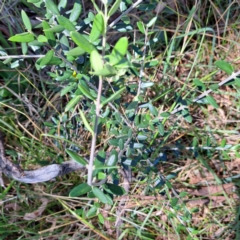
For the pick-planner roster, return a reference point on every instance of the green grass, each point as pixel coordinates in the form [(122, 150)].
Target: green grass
[(164, 202)]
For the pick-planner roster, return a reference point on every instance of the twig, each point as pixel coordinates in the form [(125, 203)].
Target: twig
[(21, 56), (124, 13)]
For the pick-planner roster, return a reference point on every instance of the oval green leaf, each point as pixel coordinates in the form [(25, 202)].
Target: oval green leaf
[(225, 66), (85, 92), (113, 96), (151, 22), (50, 5), (62, 4), (141, 27), (55, 29), (72, 103), (42, 39), (119, 50), (97, 28), (85, 122), (96, 61), (47, 58), (49, 35), (82, 42), (64, 22), (78, 51), (114, 189), (76, 11), (161, 129), (104, 198), (165, 114), (80, 190), (76, 157), (26, 20), (212, 101), (107, 71), (114, 8), (22, 37), (112, 159)]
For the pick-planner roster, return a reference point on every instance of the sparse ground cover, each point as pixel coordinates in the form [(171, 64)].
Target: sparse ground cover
[(167, 137)]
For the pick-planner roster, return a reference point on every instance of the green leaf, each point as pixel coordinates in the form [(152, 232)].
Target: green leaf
[(67, 89), (141, 28), (80, 190), (62, 4), (112, 159), (119, 50), (85, 92), (174, 201), (22, 37), (101, 219), (82, 42), (33, 1), (73, 102), (78, 51), (114, 189), (146, 84), (47, 58), (186, 115), (92, 212), (107, 71), (137, 145), (55, 61), (165, 114), (50, 5), (64, 22), (55, 29), (114, 8), (76, 11), (96, 61), (26, 21), (104, 198), (76, 157), (153, 110), (212, 101), (49, 35), (42, 39), (24, 48), (200, 84), (113, 96), (141, 137), (151, 22), (85, 122), (237, 81), (225, 66), (214, 86), (97, 28), (121, 144), (161, 129)]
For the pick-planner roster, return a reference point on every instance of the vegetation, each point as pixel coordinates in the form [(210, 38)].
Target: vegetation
[(145, 95)]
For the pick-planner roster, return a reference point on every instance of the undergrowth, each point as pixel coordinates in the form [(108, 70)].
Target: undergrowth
[(144, 95)]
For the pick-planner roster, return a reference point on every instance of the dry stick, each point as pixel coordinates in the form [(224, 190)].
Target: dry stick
[(21, 56), (126, 12), (94, 137), (204, 94)]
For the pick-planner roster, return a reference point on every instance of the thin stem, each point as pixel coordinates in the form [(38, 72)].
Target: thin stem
[(126, 12), (94, 137), (98, 106), (21, 56)]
